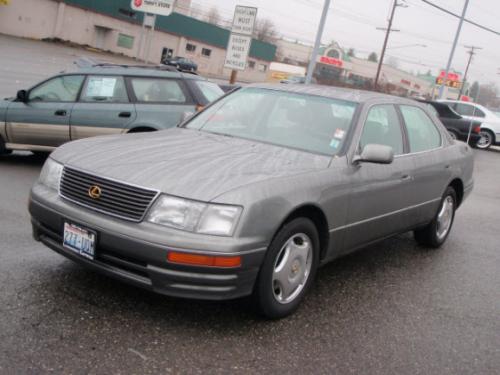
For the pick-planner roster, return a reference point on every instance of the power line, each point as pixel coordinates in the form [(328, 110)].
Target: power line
[(458, 16)]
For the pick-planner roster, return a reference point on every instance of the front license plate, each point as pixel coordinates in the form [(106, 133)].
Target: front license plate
[(79, 240)]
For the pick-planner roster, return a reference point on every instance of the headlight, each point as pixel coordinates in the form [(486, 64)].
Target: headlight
[(192, 216), (50, 175)]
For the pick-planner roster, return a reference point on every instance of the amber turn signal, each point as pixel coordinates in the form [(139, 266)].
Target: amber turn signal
[(204, 260)]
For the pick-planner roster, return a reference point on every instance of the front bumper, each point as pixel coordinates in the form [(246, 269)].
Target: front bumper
[(138, 261)]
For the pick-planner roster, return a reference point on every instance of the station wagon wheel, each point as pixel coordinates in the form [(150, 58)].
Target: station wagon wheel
[(288, 269), (486, 139), (435, 233)]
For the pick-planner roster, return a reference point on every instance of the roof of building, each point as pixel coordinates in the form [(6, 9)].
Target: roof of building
[(176, 24)]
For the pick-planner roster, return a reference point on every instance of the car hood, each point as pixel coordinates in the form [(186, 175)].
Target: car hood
[(187, 163)]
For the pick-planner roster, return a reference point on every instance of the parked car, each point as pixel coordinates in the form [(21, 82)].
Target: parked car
[(294, 80), (457, 126), (98, 101), (490, 123), (181, 63), (252, 194)]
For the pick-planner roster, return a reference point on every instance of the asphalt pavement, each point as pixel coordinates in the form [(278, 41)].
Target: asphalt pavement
[(392, 308)]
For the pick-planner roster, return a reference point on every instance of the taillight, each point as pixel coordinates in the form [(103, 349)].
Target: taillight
[(477, 130)]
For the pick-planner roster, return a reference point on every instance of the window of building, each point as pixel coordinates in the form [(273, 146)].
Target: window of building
[(206, 52), (105, 89), (251, 64), (190, 47), (125, 41), (59, 89), (158, 90), (382, 127), (262, 68), (422, 133), (126, 12)]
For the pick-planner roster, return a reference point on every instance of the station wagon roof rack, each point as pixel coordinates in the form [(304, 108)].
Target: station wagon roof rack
[(86, 63)]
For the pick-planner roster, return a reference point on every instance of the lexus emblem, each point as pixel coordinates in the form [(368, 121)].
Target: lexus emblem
[(95, 192)]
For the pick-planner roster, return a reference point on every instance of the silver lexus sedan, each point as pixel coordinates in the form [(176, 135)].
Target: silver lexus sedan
[(253, 194)]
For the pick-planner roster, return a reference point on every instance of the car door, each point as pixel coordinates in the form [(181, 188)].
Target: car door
[(432, 171), (43, 120), (382, 195), (160, 102), (103, 108)]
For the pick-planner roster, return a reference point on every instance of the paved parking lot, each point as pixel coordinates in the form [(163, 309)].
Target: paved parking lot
[(393, 308)]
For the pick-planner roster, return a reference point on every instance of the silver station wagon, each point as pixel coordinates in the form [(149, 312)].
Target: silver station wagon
[(100, 100), (254, 193)]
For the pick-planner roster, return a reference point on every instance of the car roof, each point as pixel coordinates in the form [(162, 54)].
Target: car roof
[(359, 96), (157, 72)]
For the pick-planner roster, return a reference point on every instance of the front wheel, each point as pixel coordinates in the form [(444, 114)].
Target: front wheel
[(486, 139), (437, 231), (288, 270)]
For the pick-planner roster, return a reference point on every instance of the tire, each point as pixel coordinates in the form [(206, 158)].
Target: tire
[(436, 232), (295, 252), (487, 139)]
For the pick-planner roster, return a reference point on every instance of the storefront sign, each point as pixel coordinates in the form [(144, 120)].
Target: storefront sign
[(244, 20), (331, 61), (159, 7)]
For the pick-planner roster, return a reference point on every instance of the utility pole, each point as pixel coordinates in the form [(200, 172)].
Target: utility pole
[(395, 4), (452, 53), (319, 34), (464, 81)]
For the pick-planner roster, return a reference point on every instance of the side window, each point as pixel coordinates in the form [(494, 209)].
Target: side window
[(157, 90), (382, 127), (422, 133), (59, 89), (105, 89)]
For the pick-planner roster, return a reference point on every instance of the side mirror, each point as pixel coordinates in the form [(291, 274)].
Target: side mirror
[(373, 153), (22, 96)]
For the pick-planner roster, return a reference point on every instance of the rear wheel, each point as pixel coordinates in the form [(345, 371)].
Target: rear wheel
[(437, 231), (486, 140), (288, 270)]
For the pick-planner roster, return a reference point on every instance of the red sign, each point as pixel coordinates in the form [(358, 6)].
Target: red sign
[(138, 3), (451, 76), (331, 61)]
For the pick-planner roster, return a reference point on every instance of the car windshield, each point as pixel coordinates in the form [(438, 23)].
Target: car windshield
[(306, 122)]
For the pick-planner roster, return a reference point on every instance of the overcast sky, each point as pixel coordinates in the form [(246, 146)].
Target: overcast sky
[(353, 24)]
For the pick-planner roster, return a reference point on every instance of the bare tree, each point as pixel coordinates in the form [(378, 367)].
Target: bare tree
[(213, 16), (265, 30), (373, 57)]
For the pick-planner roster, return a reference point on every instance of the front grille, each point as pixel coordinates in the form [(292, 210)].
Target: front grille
[(117, 199)]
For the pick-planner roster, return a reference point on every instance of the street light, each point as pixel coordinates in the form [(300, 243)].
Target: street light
[(408, 45)]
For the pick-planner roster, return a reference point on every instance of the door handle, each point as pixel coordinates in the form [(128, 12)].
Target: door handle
[(60, 112), (124, 114), (406, 177)]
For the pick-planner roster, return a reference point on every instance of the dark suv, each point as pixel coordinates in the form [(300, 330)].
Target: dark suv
[(99, 100)]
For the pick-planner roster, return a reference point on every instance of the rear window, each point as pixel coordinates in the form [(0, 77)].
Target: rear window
[(149, 90), (422, 133), (210, 90)]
